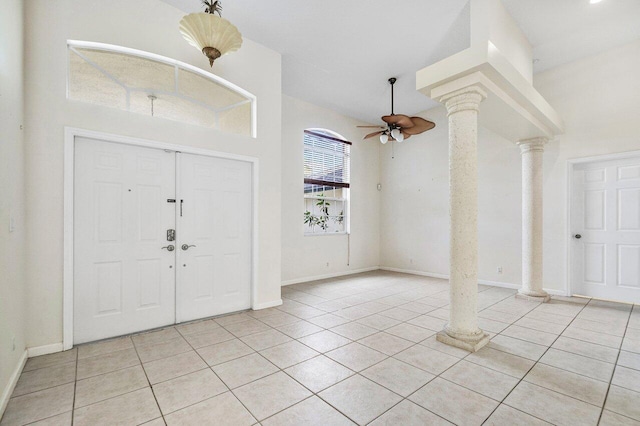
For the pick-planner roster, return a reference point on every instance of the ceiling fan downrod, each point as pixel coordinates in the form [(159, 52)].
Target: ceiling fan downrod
[(392, 81)]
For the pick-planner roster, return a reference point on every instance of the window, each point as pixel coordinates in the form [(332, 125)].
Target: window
[(145, 83), (326, 183)]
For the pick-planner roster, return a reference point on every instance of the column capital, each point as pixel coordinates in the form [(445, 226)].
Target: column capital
[(465, 99), (533, 144)]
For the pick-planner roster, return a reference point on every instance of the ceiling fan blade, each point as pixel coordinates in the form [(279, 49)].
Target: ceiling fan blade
[(420, 125), (399, 120), (406, 135), (370, 135), (371, 127)]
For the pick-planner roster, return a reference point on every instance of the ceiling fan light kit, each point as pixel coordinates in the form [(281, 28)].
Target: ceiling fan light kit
[(213, 35), (399, 126)]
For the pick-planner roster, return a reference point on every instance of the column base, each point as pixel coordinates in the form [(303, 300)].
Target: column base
[(471, 344), (541, 297)]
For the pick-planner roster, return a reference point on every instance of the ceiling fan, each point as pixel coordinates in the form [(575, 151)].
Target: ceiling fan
[(399, 127)]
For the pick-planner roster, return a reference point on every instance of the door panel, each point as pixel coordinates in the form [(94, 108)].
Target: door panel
[(123, 281), (605, 210), (215, 274)]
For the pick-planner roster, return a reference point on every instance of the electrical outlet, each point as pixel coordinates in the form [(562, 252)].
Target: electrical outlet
[(499, 270), (411, 261), (12, 223), (13, 343), (327, 264)]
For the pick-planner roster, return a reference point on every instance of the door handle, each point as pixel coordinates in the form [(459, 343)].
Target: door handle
[(186, 246), (170, 247), (577, 236)]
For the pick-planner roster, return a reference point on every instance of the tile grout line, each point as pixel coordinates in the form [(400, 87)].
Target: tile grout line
[(441, 373), (418, 343), (47, 387), (351, 321), (470, 353), (279, 369), (536, 363), (372, 313), (358, 373), (435, 375), (219, 378), (135, 348), (606, 395), (75, 386), (63, 384)]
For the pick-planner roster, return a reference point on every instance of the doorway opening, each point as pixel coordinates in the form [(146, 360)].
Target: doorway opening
[(604, 226), (155, 234)]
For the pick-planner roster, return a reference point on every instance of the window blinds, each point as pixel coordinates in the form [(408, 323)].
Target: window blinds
[(326, 161)]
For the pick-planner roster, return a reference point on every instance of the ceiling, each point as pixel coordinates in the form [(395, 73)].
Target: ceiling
[(339, 54)]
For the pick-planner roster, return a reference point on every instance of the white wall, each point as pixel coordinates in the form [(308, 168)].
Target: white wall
[(306, 257), (598, 100), (151, 26), (415, 204), (12, 244)]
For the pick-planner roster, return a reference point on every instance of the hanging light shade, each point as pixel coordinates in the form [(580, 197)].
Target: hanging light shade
[(213, 35)]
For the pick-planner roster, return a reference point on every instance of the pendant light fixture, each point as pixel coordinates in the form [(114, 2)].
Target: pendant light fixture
[(211, 34)]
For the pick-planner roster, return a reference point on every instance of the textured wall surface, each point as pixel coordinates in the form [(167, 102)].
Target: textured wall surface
[(47, 111), (12, 244), (597, 99), (304, 257)]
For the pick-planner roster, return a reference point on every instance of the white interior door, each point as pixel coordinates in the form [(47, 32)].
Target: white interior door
[(123, 280), (605, 223), (214, 235)]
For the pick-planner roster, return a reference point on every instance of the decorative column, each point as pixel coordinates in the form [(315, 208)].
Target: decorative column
[(531, 150), (462, 331)]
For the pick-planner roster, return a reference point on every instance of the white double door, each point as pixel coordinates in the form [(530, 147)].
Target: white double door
[(160, 237), (605, 226)]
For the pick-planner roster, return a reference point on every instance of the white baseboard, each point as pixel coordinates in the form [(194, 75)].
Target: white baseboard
[(325, 276), (551, 291), (499, 284), (266, 305), (13, 380), (555, 292), (412, 272), (45, 350)]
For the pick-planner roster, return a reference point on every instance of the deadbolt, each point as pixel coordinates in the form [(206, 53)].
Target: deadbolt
[(186, 246), (170, 247), (577, 236), (171, 234)]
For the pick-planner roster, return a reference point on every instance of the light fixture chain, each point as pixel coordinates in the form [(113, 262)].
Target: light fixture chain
[(152, 98)]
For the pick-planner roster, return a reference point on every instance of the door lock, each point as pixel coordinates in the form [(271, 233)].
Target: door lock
[(171, 234), (577, 236), (186, 246), (170, 247)]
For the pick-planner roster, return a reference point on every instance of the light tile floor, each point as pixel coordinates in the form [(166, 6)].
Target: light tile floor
[(359, 349)]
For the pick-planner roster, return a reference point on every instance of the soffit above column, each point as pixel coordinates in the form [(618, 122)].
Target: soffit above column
[(514, 108)]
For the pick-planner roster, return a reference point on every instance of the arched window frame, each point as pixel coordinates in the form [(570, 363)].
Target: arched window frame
[(320, 198), (72, 44)]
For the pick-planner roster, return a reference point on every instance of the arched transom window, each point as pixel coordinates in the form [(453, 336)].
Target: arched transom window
[(150, 84)]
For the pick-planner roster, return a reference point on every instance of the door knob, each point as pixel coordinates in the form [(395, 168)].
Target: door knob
[(170, 247), (577, 236), (186, 246)]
